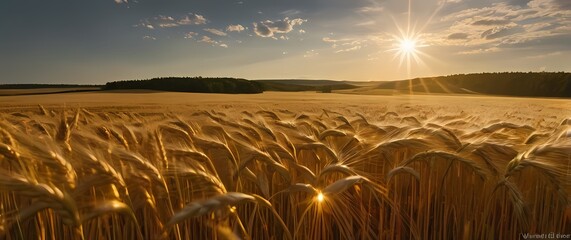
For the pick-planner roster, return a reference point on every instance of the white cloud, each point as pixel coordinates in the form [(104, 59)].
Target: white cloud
[(192, 19), (347, 44), (497, 26), (552, 7), (501, 31), (457, 36), (367, 23), (480, 51), (207, 39), (354, 48), (448, 1), (146, 25), (235, 28), (310, 53), (270, 28), (291, 12), (491, 21), (121, 1), (329, 40), (162, 21), (370, 9), (541, 56), (190, 35), (149, 38), (215, 32)]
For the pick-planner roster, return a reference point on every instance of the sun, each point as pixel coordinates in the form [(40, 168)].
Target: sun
[(407, 46), (408, 42)]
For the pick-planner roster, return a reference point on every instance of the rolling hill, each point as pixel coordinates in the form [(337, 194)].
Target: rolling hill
[(186, 84), (540, 84), (531, 84), (298, 85)]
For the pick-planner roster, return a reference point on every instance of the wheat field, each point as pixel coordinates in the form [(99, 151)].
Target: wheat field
[(283, 166)]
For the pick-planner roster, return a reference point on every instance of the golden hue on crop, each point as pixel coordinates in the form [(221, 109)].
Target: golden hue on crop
[(131, 173)]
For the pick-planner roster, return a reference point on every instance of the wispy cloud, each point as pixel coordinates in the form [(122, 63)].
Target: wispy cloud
[(270, 28), (491, 21), (190, 35), (235, 28), (366, 23), (163, 21), (192, 19), (310, 53), (499, 32), (354, 48), (541, 56), (480, 51), (370, 9), (291, 12), (207, 39), (216, 32), (497, 26), (329, 40), (440, 2), (457, 36), (345, 44), (121, 1), (149, 38)]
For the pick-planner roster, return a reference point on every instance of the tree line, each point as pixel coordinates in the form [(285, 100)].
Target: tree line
[(533, 84), (189, 84)]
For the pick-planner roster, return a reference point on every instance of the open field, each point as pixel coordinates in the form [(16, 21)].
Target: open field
[(40, 91), (148, 165)]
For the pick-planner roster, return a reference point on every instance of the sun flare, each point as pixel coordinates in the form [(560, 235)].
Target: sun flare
[(407, 49), (407, 43), (320, 197), (407, 46)]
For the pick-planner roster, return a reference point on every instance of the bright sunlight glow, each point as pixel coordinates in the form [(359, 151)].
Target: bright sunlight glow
[(320, 197), (408, 43), (407, 49), (408, 46)]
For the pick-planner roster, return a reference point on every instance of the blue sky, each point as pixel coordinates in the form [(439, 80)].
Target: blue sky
[(66, 41)]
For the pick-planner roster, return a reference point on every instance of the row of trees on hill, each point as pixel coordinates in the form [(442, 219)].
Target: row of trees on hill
[(188, 84), (530, 84), (548, 84)]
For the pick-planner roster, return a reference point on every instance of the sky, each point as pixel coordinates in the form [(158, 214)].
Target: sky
[(96, 41)]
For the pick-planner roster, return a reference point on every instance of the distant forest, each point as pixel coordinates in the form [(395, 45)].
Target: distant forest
[(551, 84), (188, 84), (523, 84), (531, 84)]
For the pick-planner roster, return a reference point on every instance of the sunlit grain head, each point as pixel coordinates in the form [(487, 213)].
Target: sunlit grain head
[(319, 198)]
